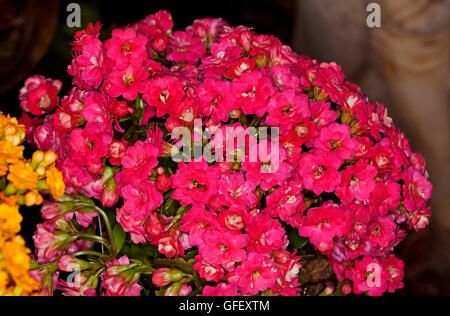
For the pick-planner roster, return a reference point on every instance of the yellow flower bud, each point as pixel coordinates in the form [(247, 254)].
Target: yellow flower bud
[(40, 171), (50, 158), (38, 157), (33, 198)]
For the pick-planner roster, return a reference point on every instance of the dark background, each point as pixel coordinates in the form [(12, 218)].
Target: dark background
[(34, 39)]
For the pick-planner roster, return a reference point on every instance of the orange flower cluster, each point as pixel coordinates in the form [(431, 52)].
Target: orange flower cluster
[(21, 183)]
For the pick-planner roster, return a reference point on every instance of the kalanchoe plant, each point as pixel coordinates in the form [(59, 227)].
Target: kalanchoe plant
[(318, 211)]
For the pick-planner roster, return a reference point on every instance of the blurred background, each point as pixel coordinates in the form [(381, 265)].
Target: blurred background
[(404, 64)]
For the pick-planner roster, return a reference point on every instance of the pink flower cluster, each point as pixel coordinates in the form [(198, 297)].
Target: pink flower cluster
[(347, 178)]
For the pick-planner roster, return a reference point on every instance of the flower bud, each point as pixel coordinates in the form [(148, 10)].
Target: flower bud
[(235, 114), (50, 158), (159, 43), (165, 276), (33, 198), (153, 226), (347, 289), (173, 290), (70, 264), (116, 150), (110, 195), (281, 257), (225, 167), (185, 290), (163, 183), (160, 171), (38, 157), (329, 290), (120, 109)]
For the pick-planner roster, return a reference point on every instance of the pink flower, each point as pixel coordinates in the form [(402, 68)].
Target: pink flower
[(197, 221), (183, 47), (420, 219), (358, 182), (235, 218), (154, 226), (216, 99), (68, 115), (286, 107), (253, 92), (138, 162), (127, 83), (336, 138), (39, 95), (126, 48), (136, 229), (224, 247), (163, 93), (319, 171), (321, 113), (87, 67), (266, 235), (83, 37), (97, 110), (369, 276), (222, 289), (207, 270), (241, 66), (256, 274), (235, 191), (75, 177), (416, 190), (283, 78), (116, 151), (382, 231), (194, 183), (384, 198), (163, 183), (322, 225), (266, 165), (141, 199), (88, 146), (395, 268), (120, 280), (289, 266), (185, 112), (286, 202), (170, 245), (161, 22), (207, 29)]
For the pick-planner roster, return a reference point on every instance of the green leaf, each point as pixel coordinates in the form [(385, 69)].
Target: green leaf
[(140, 252), (191, 255), (118, 237), (296, 240)]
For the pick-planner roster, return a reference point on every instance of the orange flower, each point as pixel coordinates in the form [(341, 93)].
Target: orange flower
[(22, 176), (17, 262), (10, 219), (9, 200), (55, 182), (9, 153), (4, 280), (10, 130)]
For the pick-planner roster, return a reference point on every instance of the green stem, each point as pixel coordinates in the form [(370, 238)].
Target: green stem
[(96, 239), (108, 227), (90, 253)]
